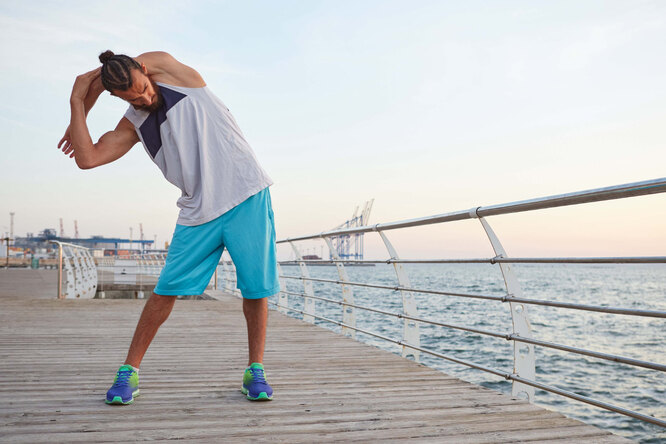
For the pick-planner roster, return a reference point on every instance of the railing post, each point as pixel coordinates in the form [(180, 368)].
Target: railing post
[(283, 297), (223, 274), (78, 271), (59, 270), (70, 288), (410, 330), (89, 273), (81, 271), (308, 303), (228, 272), (523, 354), (140, 268), (348, 313)]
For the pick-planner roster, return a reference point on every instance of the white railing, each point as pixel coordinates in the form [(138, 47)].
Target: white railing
[(77, 271), (523, 376), (133, 265), (136, 271)]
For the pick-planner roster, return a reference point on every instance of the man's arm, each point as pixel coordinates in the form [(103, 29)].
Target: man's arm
[(95, 90), (163, 67), (111, 146)]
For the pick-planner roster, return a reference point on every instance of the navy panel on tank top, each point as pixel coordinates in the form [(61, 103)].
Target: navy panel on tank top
[(150, 129)]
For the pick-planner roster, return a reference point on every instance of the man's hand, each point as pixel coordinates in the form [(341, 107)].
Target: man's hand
[(66, 143), (82, 84)]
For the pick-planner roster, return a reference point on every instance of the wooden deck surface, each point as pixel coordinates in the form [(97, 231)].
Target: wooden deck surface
[(58, 358), (26, 283)]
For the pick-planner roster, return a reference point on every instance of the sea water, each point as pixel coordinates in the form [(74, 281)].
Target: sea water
[(636, 286)]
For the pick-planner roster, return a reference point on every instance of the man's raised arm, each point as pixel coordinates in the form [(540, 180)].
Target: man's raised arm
[(164, 67), (111, 146), (95, 90)]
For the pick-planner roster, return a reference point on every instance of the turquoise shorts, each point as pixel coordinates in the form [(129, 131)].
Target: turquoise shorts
[(248, 233)]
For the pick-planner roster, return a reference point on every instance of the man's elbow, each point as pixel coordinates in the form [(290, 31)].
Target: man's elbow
[(83, 164)]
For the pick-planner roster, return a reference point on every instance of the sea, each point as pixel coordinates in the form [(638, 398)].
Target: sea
[(636, 286)]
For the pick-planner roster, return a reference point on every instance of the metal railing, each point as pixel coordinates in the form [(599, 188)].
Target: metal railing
[(523, 376), (133, 273), (80, 272), (76, 261), (148, 264)]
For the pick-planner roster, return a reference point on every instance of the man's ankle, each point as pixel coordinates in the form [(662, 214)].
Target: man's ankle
[(136, 369)]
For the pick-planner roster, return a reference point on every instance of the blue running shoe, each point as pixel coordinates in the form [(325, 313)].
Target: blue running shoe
[(125, 387), (254, 383)]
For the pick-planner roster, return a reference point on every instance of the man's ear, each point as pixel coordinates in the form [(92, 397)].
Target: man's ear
[(144, 69)]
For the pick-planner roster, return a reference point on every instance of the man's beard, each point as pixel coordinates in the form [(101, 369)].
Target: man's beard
[(158, 102)]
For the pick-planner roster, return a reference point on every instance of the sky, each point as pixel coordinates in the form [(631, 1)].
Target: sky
[(426, 107)]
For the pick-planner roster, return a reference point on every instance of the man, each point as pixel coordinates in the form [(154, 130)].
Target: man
[(193, 138)]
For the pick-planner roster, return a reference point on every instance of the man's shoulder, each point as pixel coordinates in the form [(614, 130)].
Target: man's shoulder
[(163, 67), (156, 61)]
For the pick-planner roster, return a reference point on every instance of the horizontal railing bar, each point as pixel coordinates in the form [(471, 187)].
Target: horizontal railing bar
[(594, 308), (508, 337), (385, 261), (642, 188), (402, 316), (549, 388), (592, 401), (397, 288), (507, 298), (508, 376), (594, 195), (429, 220), (584, 260), (377, 335), (582, 351), (516, 260)]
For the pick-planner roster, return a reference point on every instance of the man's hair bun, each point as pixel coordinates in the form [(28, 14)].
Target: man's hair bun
[(116, 70), (105, 56)]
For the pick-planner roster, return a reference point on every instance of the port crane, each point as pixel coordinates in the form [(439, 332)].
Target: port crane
[(351, 246)]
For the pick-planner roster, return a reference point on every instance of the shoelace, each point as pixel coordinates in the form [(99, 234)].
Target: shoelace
[(122, 378), (258, 375)]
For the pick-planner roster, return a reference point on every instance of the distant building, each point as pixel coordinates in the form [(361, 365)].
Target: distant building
[(112, 245)]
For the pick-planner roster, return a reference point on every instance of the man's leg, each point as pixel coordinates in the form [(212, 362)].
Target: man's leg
[(126, 385), (155, 312), (256, 317), (249, 235), (255, 386), (193, 255)]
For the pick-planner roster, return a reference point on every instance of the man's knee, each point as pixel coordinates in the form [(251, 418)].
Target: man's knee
[(255, 304), (160, 301)]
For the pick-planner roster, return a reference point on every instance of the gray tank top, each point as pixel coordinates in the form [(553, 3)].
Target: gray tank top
[(195, 141)]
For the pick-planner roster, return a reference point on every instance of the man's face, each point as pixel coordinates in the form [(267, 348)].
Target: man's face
[(143, 94)]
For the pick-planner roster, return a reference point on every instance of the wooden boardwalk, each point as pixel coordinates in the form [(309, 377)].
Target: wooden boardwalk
[(58, 358)]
